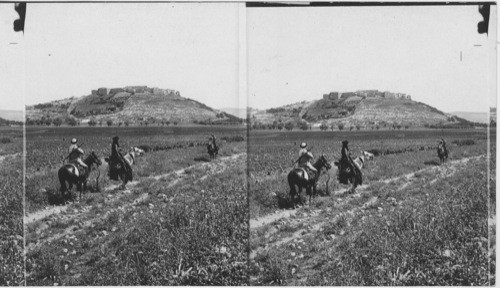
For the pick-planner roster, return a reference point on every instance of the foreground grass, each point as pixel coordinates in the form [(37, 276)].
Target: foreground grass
[(11, 211), (193, 233)]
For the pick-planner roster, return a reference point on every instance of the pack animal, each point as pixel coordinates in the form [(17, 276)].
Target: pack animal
[(298, 178), (70, 174)]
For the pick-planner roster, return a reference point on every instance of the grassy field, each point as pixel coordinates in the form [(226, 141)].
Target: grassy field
[(413, 222), (182, 221), (11, 207)]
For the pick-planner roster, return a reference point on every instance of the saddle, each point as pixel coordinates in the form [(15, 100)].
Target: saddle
[(75, 169), (305, 173)]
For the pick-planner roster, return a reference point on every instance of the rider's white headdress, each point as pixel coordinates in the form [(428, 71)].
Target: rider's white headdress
[(73, 141), (303, 145)]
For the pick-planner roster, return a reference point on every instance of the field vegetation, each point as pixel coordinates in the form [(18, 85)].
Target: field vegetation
[(11, 207), (413, 222), (182, 221)]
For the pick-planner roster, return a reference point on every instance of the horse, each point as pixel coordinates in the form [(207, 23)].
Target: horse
[(367, 155), (70, 174), (354, 178), (442, 153), (213, 150), (124, 174), (138, 151), (300, 178)]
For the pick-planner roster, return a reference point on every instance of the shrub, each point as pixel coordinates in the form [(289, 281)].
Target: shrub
[(5, 140)]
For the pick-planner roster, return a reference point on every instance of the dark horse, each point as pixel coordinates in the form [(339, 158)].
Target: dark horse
[(297, 177), (213, 150), (67, 174), (347, 173), (442, 153), (117, 171)]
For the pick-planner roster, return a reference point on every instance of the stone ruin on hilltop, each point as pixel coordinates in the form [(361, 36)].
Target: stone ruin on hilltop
[(133, 90), (366, 94)]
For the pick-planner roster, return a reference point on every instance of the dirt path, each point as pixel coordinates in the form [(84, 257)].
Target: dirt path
[(312, 219), (83, 213)]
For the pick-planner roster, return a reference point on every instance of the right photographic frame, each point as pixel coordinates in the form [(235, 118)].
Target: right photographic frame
[(371, 147)]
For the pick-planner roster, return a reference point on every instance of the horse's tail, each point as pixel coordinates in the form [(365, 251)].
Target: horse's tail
[(63, 175), (292, 181)]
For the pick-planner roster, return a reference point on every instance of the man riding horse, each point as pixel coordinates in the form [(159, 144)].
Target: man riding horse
[(116, 159), (304, 161), (212, 148), (348, 168), (75, 158), (442, 151)]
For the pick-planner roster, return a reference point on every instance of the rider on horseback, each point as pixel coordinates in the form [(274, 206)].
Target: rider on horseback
[(72, 148), (73, 145), (304, 161), (347, 162), (75, 158), (117, 157), (211, 140)]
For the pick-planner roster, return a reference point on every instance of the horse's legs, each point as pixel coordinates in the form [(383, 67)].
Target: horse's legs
[(292, 194)]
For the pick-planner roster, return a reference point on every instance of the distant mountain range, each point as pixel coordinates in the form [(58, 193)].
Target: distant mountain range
[(363, 108), (12, 115), (479, 117), (127, 105), (239, 112)]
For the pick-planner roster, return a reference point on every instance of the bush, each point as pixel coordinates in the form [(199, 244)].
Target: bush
[(341, 126), (5, 140), (466, 142), (289, 126)]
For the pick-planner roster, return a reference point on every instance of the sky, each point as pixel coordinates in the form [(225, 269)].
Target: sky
[(71, 49), (220, 53), (301, 53), (12, 66)]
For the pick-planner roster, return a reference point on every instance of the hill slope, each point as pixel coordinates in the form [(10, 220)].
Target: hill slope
[(132, 104), (357, 110)]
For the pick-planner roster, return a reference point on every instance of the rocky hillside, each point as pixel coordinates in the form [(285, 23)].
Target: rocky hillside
[(128, 105), (358, 109)]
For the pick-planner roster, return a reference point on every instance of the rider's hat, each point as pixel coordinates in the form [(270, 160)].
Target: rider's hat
[(73, 141), (303, 145), (79, 150)]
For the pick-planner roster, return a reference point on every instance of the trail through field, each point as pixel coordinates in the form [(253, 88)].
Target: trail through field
[(83, 216), (6, 156), (273, 230)]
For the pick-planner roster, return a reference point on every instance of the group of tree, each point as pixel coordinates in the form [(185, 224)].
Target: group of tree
[(48, 121)]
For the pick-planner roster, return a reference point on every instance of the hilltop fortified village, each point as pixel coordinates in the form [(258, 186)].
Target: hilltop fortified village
[(366, 93), (133, 90)]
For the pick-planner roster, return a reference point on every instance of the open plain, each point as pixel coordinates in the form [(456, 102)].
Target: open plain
[(183, 220), (412, 222)]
